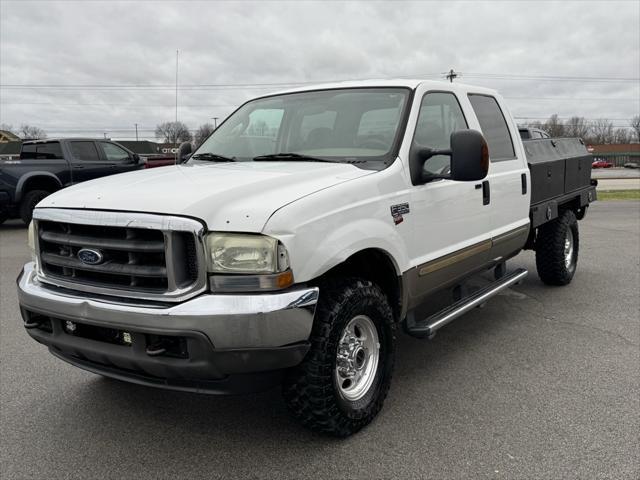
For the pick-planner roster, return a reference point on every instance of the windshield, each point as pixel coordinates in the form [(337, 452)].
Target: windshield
[(337, 125)]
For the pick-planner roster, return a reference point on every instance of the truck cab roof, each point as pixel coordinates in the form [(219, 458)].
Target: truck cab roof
[(400, 82)]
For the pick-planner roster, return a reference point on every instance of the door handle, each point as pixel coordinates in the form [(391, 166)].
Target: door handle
[(486, 193)]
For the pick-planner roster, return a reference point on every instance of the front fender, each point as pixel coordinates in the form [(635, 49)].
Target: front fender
[(315, 254)]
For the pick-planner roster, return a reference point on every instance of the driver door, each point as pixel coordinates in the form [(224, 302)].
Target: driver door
[(452, 225)]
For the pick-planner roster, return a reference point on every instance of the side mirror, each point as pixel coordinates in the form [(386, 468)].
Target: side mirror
[(184, 152), (469, 154), (135, 158)]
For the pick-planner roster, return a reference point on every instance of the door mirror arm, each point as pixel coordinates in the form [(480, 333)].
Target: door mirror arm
[(424, 154), (184, 152)]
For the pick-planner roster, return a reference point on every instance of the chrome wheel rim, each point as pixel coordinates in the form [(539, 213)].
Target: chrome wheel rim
[(568, 249), (357, 358)]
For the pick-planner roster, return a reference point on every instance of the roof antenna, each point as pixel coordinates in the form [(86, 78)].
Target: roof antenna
[(451, 74)]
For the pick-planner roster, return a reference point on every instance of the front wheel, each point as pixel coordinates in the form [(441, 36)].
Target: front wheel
[(341, 384), (557, 247)]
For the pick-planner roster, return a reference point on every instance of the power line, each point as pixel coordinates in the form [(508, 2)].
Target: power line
[(157, 105), (213, 86)]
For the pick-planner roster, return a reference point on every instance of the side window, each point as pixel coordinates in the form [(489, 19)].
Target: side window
[(48, 150), (85, 151), (316, 128), (525, 134), (264, 123), (494, 127), (113, 152), (440, 115), (382, 122)]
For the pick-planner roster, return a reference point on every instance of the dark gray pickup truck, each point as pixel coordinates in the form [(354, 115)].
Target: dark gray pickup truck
[(46, 166)]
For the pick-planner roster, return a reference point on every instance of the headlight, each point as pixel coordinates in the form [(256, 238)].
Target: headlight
[(244, 262), (241, 253), (31, 241)]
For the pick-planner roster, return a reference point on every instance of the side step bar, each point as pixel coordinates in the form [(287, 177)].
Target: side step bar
[(430, 325)]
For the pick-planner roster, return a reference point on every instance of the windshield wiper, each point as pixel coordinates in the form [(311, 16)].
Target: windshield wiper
[(291, 156), (213, 157)]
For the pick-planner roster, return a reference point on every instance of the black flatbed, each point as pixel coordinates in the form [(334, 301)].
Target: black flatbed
[(560, 177)]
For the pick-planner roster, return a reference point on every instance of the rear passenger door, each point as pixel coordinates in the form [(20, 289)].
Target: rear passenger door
[(86, 161), (507, 181)]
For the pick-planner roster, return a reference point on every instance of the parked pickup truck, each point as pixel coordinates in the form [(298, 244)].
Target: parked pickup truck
[(293, 245), (46, 166)]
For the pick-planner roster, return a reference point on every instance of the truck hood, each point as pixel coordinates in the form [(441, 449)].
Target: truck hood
[(227, 196)]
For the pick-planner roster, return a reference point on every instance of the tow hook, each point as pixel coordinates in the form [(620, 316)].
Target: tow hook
[(156, 350)]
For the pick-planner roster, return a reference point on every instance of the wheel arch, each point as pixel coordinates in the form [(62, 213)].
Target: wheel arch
[(37, 181), (378, 266)]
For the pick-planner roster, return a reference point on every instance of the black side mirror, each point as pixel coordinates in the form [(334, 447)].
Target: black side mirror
[(135, 158), (469, 154), (184, 152)]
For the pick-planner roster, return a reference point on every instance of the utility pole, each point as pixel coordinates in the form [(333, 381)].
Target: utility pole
[(176, 86), (176, 124), (105, 135), (215, 122), (451, 75), (136, 131)]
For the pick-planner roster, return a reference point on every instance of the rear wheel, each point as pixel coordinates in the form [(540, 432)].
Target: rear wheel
[(557, 247), (29, 202), (341, 384)]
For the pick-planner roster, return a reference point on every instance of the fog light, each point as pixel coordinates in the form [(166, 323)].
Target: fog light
[(126, 338), (69, 326)]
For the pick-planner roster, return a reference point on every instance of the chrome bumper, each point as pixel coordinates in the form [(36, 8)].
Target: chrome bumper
[(228, 321)]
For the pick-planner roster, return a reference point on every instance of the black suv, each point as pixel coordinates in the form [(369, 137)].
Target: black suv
[(48, 165)]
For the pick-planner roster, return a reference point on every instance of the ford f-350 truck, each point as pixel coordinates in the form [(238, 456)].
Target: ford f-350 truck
[(296, 242)]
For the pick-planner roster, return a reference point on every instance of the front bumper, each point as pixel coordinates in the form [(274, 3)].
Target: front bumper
[(224, 336)]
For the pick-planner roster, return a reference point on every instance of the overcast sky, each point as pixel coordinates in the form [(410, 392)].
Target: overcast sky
[(117, 58)]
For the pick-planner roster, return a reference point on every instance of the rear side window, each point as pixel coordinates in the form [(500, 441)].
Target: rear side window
[(49, 150), (494, 127), (85, 151)]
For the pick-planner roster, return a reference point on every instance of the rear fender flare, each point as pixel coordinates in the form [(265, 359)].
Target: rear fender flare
[(31, 175)]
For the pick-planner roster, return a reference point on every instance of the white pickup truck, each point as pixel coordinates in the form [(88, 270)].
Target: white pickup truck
[(291, 245)]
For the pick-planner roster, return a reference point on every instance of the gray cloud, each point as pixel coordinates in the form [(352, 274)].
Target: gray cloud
[(133, 43)]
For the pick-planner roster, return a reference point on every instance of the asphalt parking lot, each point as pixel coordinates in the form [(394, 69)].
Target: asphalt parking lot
[(541, 383)]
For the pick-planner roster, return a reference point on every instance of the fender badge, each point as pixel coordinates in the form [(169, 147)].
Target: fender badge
[(397, 211)]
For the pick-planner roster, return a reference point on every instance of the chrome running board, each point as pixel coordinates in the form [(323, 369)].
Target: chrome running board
[(430, 325)]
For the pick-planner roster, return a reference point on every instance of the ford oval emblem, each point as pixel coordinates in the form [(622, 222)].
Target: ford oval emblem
[(89, 256)]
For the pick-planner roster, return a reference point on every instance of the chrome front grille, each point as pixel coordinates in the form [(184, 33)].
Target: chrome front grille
[(137, 255)]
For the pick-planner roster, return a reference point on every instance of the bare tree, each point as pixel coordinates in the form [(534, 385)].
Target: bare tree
[(202, 133), (635, 125), (622, 135), (577, 127), (7, 128), (554, 126), (602, 131), (173, 132), (30, 132)]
